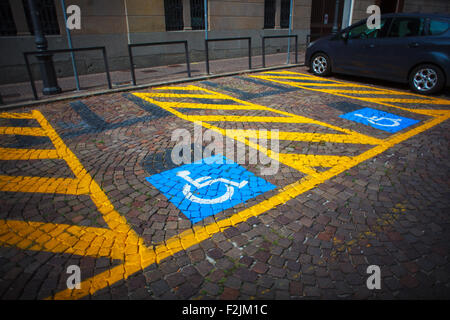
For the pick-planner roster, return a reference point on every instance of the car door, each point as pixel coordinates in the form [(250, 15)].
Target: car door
[(400, 48), (352, 54)]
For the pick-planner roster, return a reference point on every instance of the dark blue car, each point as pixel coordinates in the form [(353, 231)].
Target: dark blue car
[(407, 48)]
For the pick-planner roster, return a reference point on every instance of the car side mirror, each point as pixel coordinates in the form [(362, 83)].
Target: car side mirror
[(344, 36)]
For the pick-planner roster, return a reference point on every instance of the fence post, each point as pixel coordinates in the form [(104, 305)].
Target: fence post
[(207, 56), (30, 75), (263, 53), (250, 53), (133, 75), (108, 77), (186, 49)]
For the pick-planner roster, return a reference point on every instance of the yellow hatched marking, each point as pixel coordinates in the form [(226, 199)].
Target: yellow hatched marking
[(303, 164), (27, 154), (383, 101), (24, 131)]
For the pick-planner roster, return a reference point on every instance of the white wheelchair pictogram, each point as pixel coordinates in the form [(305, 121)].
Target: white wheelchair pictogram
[(376, 120), (207, 181)]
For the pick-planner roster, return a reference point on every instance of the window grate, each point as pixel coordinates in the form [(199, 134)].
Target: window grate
[(174, 14), (7, 25), (269, 14), (284, 14), (197, 14), (47, 15)]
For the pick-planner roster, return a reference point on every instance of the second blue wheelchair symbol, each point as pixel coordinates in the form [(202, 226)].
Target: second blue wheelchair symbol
[(209, 186)]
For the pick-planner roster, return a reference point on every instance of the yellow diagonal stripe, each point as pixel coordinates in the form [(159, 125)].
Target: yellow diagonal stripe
[(25, 131), (42, 185), (306, 136), (27, 154), (61, 238), (15, 115)]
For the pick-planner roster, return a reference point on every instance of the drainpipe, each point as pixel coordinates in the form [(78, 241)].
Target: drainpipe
[(69, 40), (206, 19), (290, 31), (335, 29)]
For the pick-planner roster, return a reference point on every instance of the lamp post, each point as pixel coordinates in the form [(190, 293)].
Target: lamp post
[(335, 22), (45, 61)]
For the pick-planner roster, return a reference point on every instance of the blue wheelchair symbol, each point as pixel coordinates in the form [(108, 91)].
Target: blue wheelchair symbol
[(209, 186), (380, 120)]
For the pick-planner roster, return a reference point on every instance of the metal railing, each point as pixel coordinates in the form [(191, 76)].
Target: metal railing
[(249, 39), (147, 44), (282, 36), (33, 53)]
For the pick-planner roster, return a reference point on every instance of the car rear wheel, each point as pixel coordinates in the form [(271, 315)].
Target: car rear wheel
[(426, 79), (320, 64)]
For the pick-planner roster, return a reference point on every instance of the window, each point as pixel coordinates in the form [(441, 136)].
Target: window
[(269, 14), (47, 15), (197, 14), (7, 25), (438, 27), (407, 27), (173, 10), (285, 12), (363, 32)]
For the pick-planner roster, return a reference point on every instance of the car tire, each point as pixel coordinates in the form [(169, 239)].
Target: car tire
[(320, 64), (426, 79)]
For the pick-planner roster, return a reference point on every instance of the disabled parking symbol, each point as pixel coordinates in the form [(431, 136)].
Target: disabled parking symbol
[(379, 119), (209, 186)]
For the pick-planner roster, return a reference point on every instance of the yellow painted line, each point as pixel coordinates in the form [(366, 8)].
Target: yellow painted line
[(423, 101), (15, 115), (41, 185), (183, 95), (361, 91), (211, 106), (306, 136), (60, 238), (25, 131), (27, 154)]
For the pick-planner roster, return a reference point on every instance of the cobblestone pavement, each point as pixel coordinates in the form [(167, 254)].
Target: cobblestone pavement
[(92, 183)]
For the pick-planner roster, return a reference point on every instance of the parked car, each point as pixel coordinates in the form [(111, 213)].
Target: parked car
[(407, 48)]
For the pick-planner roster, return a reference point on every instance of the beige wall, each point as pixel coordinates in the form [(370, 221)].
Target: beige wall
[(302, 14), (235, 15), (97, 16), (146, 16)]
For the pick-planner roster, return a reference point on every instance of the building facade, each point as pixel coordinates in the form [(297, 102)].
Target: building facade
[(115, 23)]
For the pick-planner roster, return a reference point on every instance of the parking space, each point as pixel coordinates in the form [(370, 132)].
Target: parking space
[(294, 184)]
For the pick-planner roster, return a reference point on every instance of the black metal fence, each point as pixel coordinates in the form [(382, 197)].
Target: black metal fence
[(273, 37), (131, 57), (51, 52), (249, 39), (148, 44)]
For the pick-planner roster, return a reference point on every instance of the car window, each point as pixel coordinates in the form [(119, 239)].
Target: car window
[(407, 27), (363, 32), (438, 27)]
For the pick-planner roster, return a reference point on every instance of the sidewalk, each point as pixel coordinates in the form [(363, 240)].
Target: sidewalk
[(18, 93)]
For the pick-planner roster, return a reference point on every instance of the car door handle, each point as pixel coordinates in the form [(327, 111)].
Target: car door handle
[(413, 45), (371, 46)]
